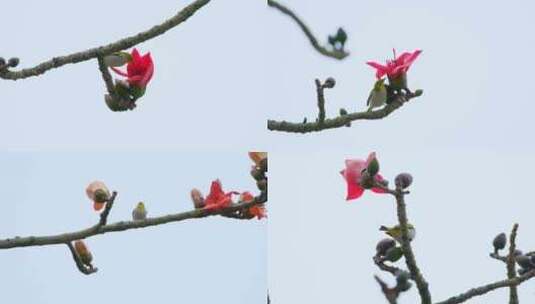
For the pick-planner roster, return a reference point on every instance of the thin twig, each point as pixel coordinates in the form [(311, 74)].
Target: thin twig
[(335, 53), (125, 225), (465, 296), (104, 50), (410, 259), (83, 269), (109, 204), (342, 120), (511, 269), (321, 101)]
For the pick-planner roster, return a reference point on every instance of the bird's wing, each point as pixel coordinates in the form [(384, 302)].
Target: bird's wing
[(369, 98)]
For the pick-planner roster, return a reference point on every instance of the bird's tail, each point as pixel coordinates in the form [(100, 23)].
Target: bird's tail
[(383, 228)]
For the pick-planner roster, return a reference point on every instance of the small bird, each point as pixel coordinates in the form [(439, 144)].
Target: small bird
[(378, 95), (139, 213), (395, 232)]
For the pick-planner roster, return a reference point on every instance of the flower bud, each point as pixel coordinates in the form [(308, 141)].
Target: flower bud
[(13, 62), (343, 112), (262, 184), (197, 198), (329, 83), (98, 193), (2, 62), (524, 261), (403, 180), (517, 252), (499, 242), (257, 157), (83, 253), (394, 254), (373, 167), (418, 92), (402, 277), (383, 246), (257, 174)]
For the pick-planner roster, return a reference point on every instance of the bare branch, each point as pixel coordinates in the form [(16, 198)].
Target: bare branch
[(488, 288), (109, 204), (511, 269), (342, 120), (410, 259), (104, 50), (125, 225), (335, 53)]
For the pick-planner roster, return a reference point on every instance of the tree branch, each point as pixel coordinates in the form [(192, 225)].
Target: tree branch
[(488, 288), (511, 269), (335, 53), (343, 119), (410, 259), (124, 225), (104, 50)]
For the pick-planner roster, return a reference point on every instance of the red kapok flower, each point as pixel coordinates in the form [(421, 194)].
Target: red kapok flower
[(396, 67), (217, 198), (352, 174), (139, 70)]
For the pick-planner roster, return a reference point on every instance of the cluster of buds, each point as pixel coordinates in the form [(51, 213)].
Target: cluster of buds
[(338, 40), (387, 250), (525, 261), (10, 63)]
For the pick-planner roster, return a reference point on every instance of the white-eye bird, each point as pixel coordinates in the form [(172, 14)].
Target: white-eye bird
[(395, 232), (378, 95), (139, 213)]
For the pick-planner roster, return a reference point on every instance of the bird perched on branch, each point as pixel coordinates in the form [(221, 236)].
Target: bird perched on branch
[(378, 95), (395, 232), (139, 213)]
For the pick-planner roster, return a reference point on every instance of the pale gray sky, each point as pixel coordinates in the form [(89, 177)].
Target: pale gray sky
[(467, 141), (207, 260), (218, 77)]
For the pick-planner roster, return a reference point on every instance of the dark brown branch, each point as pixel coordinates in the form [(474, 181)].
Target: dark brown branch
[(488, 288), (511, 269), (109, 204), (342, 120), (410, 259), (335, 53), (125, 225), (83, 269), (104, 50)]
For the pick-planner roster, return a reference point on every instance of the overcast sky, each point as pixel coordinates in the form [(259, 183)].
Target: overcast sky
[(219, 76), (467, 141)]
